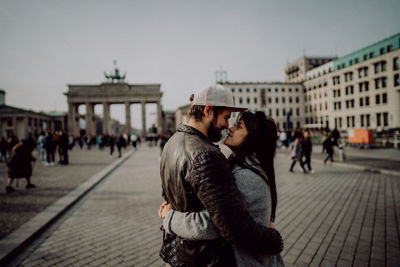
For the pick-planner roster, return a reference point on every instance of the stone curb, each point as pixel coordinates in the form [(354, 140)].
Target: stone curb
[(17, 240), (353, 166)]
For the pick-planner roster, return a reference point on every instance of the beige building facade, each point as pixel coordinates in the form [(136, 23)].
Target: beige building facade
[(359, 90), (276, 99)]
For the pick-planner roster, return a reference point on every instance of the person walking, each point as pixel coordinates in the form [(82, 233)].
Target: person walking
[(20, 165), (195, 175), (120, 142), (297, 152), (253, 142), (307, 150), (64, 145), (3, 149), (111, 143), (50, 147), (40, 144), (327, 146)]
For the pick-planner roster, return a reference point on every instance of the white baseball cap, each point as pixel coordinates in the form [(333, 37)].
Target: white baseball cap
[(216, 96)]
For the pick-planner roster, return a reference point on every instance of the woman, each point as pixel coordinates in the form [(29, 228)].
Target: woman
[(20, 165), (253, 142)]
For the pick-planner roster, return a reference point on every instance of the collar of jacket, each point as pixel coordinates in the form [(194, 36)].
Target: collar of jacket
[(190, 130)]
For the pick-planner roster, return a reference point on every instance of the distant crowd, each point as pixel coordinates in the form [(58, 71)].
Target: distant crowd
[(18, 153)]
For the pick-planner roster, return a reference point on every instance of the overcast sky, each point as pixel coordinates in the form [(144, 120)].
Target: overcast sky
[(45, 45)]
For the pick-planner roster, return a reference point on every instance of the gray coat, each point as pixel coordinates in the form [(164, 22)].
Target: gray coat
[(257, 200)]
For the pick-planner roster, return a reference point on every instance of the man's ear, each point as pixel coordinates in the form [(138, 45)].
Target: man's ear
[(208, 110)]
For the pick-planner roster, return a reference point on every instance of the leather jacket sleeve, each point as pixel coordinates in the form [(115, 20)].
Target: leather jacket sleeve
[(214, 184)]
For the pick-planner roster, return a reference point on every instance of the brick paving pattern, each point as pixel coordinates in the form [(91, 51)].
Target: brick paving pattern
[(334, 217), (52, 183)]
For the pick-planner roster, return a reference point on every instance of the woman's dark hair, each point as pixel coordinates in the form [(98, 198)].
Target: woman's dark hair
[(196, 111), (261, 141)]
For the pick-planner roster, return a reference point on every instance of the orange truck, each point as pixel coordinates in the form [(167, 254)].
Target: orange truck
[(360, 136)]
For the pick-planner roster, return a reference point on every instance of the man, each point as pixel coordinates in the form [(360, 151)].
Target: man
[(307, 150), (196, 175)]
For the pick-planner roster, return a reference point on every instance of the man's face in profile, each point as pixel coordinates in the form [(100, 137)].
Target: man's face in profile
[(217, 125)]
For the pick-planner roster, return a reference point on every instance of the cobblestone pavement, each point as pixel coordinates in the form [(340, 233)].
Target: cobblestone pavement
[(52, 183), (333, 217)]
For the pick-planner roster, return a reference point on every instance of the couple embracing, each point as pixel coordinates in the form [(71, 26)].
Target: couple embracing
[(218, 211)]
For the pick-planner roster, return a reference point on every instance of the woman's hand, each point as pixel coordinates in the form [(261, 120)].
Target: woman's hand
[(164, 209)]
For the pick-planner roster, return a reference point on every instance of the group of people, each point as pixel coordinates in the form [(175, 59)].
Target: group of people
[(301, 149), (219, 211)]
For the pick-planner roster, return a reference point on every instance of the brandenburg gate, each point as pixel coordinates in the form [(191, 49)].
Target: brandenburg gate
[(111, 93)]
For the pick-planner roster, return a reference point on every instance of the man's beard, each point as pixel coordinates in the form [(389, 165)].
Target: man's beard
[(214, 133)]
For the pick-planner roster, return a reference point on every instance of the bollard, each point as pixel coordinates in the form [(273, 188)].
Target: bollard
[(341, 152)]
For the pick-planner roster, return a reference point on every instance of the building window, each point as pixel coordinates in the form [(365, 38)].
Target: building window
[(389, 48), (378, 119), (269, 100), (255, 100), (297, 89), (396, 80), (247, 90), (297, 111), (368, 121), (365, 57), (383, 66), (269, 89), (376, 68), (371, 55), (382, 51), (284, 111), (9, 122), (240, 90), (248, 100), (240, 100), (367, 100), (377, 99), (383, 80), (366, 86), (277, 112), (396, 63), (290, 89), (384, 98), (360, 87), (290, 99), (361, 102), (283, 89), (385, 119), (297, 99), (270, 112), (255, 90), (283, 99), (276, 89), (376, 83), (276, 100), (362, 120), (233, 90)]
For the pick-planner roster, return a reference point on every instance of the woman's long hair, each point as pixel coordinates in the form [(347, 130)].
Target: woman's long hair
[(261, 141)]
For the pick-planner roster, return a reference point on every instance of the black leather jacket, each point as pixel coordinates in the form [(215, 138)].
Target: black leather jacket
[(196, 175)]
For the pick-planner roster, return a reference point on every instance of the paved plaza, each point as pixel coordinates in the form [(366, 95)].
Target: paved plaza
[(336, 216)]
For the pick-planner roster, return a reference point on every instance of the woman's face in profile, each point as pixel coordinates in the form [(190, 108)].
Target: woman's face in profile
[(237, 134)]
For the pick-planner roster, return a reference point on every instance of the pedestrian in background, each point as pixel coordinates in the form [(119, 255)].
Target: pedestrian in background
[(327, 146), (120, 142), (111, 143), (64, 144), (50, 147), (40, 146), (307, 150), (297, 152), (20, 165), (3, 148)]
